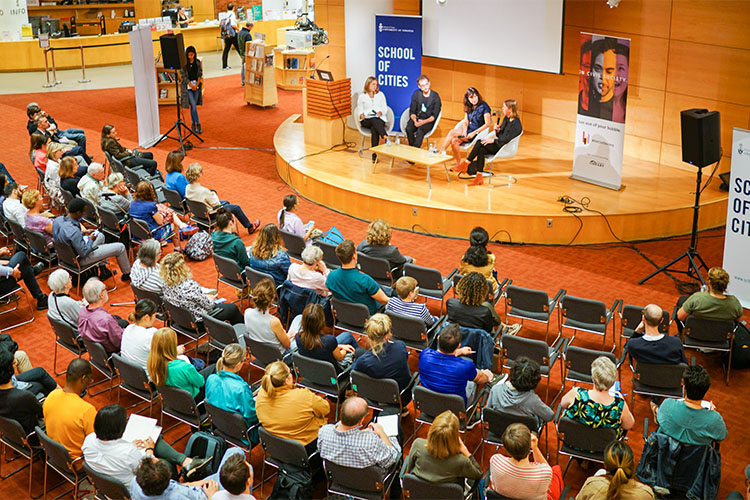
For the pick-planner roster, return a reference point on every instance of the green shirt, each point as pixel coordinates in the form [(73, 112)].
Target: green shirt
[(704, 305), (230, 245), (689, 425), (351, 285), (183, 375)]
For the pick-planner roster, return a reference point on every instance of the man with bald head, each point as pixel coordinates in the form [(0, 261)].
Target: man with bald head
[(649, 345)]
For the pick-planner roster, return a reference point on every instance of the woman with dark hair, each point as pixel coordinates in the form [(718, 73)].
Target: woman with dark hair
[(192, 87), (226, 241), (517, 395), (477, 119), (372, 111), (175, 179), (268, 254), (110, 143), (340, 351), (67, 173), (290, 222), (144, 207), (472, 309), (135, 345), (477, 258), (618, 482)]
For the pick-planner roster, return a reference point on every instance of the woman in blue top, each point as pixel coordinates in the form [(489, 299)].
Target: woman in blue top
[(226, 390), (144, 207), (268, 254), (175, 179), (477, 119)]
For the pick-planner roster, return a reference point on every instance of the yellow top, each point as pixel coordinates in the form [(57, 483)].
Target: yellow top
[(69, 419), (294, 413)]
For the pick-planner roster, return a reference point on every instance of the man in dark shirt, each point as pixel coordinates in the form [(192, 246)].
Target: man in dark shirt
[(16, 404), (649, 345), (243, 37), (74, 134), (423, 111)]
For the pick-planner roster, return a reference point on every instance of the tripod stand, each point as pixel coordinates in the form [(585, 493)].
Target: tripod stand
[(185, 145), (695, 261)]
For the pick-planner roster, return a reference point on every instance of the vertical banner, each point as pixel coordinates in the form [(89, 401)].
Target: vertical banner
[(144, 86), (738, 219), (12, 15), (602, 100), (398, 60)]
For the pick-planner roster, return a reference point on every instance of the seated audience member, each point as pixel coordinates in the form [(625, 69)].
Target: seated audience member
[(44, 127), (268, 254), (340, 351), (115, 196), (91, 249), (110, 143), (38, 150), (35, 219), (49, 159), (175, 179), (226, 241), (403, 302), (350, 443), (74, 134), (517, 476), (445, 371), (95, 323), (182, 291), (146, 268), (596, 407), (153, 481), (714, 304), (12, 206), (91, 185), (195, 192), (424, 110), (312, 273), (619, 480), (262, 326), (378, 244), (736, 495), (106, 452), (17, 268), (68, 178), (443, 456), (67, 417), (166, 366), (652, 346), (25, 376), (227, 390), (472, 309), (477, 258), (517, 395), (386, 358), (689, 421), (136, 338), (350, 285), (17, 404), (62, 307), (144, 207), (290, 222), (236, 477), (287, 411)]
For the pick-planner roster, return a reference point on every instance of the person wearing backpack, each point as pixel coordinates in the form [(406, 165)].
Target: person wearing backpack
[(243, 37), (228, 27)]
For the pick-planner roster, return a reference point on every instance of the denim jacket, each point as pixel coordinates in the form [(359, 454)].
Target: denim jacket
[(481, 343), (277, 266), (293, 299)]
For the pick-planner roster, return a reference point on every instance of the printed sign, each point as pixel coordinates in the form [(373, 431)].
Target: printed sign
[(738, 219)]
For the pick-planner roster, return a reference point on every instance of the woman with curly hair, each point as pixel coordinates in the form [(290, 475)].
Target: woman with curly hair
[(378, 244), (268, 254), (477, 258), (472, 309), (618, 483)]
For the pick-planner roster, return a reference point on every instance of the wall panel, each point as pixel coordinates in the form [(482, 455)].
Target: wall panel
[(728, 24)]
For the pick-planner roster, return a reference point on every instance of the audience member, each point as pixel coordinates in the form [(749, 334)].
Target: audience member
[(68, 178), (424, 110), (692, 420), (287, 411), (95, 323), (166, 368), (35, 219), (236, 477), (340, 350), (226, 389), (446, 371), (312, 273), (17, 268), (649, 345), (92, 249), (62, 307), (161, 220), (517, 476), (17, 404), (596, 407), (378, 244), (90, 186), (290, 222), (262, 326), (51, 162), (477, 258), (38, 150), (517, 395), (714, 304), (67, 417), (443, 456), (175, 179), (350, 285), (24, 376), (115, 196), (110, 143), (268, 254), (44, 127), (618, 481), (33, 111), (226, 241), (182, 291), (145, 273), (12, 206), (386, 358), (472, 309), (153, 481), (736, 495), (136, 338), (403, 302)]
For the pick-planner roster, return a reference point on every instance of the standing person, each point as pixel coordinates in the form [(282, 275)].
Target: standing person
[(477, 119), (192, 87), (423, 111), (373, 111), (243, 37), (228, 26)]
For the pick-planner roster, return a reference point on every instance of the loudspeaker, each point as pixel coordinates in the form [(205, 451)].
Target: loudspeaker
[(173, 51), (701, 136)]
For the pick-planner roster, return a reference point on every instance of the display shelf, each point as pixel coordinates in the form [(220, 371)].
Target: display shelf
[(260, 80), (165, 86), (292, 67)]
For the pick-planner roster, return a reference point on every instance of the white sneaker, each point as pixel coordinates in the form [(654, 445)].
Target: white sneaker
[(513, 329)]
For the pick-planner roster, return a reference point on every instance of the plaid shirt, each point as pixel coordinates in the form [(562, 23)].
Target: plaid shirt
[(356, 448)]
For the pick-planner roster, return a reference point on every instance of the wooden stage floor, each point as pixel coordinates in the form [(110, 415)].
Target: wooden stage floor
[(655, 200)]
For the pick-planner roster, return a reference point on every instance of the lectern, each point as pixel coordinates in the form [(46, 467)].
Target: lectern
[(326, 106)]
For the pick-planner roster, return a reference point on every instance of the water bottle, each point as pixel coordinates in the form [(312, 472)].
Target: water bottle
[(398, 140), (388, 140)]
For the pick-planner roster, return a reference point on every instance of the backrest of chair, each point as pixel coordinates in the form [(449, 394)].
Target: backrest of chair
[(584, 310), (583, 437), (89, 212), (114, 164), (106, 485), (254, 277), (265, 353), (662, 376), (527, 299), (65, 334), (382, 391), (294, 243), (317, 371), (178, 400), (515, 347), (229, 424), (37, 241), (632, 315), (579, 359), (109, 219), (197, 208), (57, 455), (97, 355), (65, 253), (12, 431), (228, 268), (130, 373), (350, 313), (67, 196), (139, 229), (180, 316), (147, 294), (708, 330), (173, 198), (510, 149), (367, 479), (434, 403), (419, 489), (132, 176), (497, 420), (329, 254), (427, 277), (377, 268), (219, 330), (408, 328), (404, 120), (284, 450), (390, 120), (18, 232)]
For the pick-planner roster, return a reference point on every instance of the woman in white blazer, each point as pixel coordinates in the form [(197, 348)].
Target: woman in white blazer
[(372, 111)]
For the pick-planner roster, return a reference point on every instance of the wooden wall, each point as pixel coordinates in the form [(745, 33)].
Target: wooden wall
[(329, 15), (684, 54)]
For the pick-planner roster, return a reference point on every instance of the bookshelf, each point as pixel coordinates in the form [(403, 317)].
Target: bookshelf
[(165, 88), (293, 66), (260, 81)]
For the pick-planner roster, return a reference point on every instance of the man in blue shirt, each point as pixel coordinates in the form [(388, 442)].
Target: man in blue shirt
[(350, 285), (649, 345), (445, 371)]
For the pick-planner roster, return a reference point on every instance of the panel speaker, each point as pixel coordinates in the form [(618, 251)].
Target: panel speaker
[(701, 136), (173, 51)]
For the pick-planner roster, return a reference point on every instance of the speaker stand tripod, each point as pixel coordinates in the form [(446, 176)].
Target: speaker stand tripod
[(694, 260), (185, 145)]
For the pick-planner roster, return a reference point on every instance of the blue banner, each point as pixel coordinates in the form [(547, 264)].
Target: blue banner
[(398, 60)]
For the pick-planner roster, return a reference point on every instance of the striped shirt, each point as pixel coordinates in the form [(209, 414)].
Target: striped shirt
[(146, 278), (529, 483), (419, 310)]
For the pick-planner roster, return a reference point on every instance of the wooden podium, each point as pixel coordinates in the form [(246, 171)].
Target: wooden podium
[(325, 108)]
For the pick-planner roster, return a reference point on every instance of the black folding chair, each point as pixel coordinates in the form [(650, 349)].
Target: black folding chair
[(14, 437), (106, 487), (231, 426), (19, 235), (278, 451), (180, 405), (229, 273), (495, 421), (134, 380), (175, 201), (428, 404), (201, 214), (293, 243), (432, 284), (102, 363), (415, 488), (370, 483), (39, 248), (68, 260), (378, 269), (412, 330), (57, 457), (664, 381), (67, 338), (380, 393), (221, 333), (181, 321), (349, 316), (528, 304), (710, 336), (578, 363), (321, 377), (545, 356), (587, 315), (13, 297), (577, 440), (630, 318)]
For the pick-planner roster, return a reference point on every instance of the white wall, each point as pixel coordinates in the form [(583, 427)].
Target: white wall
[(360, 38), (12, 15)]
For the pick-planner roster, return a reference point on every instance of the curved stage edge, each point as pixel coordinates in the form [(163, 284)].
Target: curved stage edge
[(655, 201)]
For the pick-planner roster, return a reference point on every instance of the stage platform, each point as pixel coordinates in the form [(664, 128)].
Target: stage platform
[(655, 200)]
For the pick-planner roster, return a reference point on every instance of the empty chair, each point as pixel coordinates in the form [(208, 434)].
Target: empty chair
[(19, 235), (139, 231), (220, 333), (578, 363), (293, 243), (545, 356), (588, 315), (231, 426), (263, 354), (654, 380), (59, 459), (412, 331), (710, 336), (67, 338), (577, 440), (429, 404), (350, 317), (11, 297), (279, 451), (431, 283), (107, 487), (14, 437), (134, 380), (377, 268), (528, 304), (321, 377), (415, 488), (229, 273), (254, 277), (350, 482), (329, 254), (101, 361)]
